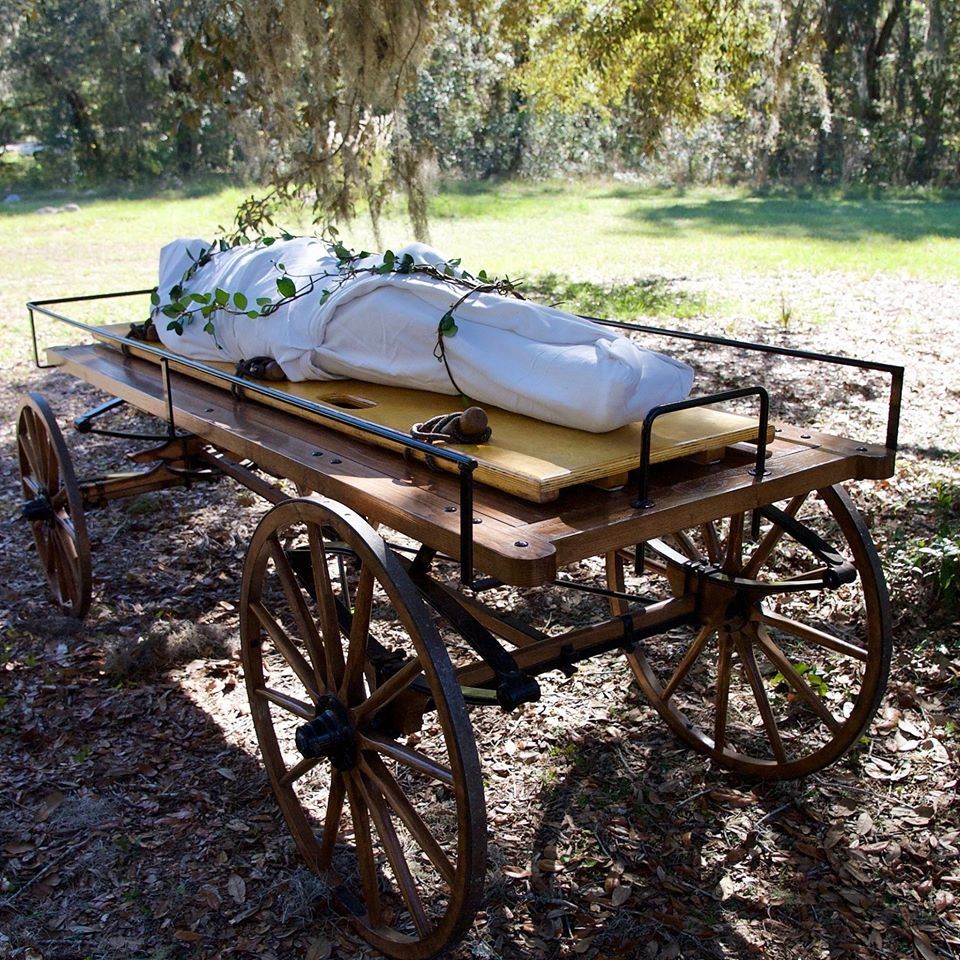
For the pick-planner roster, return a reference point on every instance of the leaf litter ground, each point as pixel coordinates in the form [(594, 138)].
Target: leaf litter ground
[(137, 821)]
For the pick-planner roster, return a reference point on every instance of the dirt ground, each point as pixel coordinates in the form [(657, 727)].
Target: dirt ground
[(137, 820)]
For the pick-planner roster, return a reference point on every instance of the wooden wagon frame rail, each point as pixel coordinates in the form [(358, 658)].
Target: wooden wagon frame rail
[(466, 465)]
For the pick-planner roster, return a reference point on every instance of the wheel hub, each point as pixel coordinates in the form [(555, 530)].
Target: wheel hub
[(329, 734), (38, 509)]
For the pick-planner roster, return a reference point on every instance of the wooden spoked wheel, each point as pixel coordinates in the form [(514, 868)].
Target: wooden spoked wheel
[(363, 728), (53, 505), (788, 657)]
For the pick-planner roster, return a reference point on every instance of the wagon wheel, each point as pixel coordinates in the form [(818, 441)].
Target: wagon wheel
[(363, 728), (53, 505), (788, 658)]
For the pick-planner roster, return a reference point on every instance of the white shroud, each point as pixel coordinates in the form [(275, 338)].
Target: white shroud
[(509, 353)]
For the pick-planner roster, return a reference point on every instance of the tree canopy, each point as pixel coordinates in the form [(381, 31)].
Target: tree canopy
[(341, 103)]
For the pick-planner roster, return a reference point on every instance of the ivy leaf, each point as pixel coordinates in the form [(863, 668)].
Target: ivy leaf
[(324, 297), (286, 236), (253, 314), (224, 246), (200, 297), (263, 301), (221, 297), (286, 287), (240, 300), (155, 298), (208, 327), (388, 259), (448, 326), (268, 241), (172, 310), (176, 325)]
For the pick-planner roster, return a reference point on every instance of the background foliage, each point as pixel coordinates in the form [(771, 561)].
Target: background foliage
[(341, 103)]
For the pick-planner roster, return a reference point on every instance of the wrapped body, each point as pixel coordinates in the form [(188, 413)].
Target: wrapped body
[(511, 353)]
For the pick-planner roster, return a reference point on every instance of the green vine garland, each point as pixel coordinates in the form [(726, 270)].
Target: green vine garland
[(184, 305)]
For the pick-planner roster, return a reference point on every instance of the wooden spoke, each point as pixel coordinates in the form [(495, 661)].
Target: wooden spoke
[(394, 850), (291, 704), (47, 477), (812, 635), (297, 606), (722, 692), (712, 541), (840, 635), (332, 817), (351, 686), (768, 542), (689, 659), (733, 553), (367, 865), (428, 800), (311, 681), (407, 756), (687, 545), (616, 582), (329, 622), (298, 770), (749, 664), (780, 660), (378, 773), (387, 690)]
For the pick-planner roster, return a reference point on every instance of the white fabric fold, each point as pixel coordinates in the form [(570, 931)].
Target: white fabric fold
[(514, 354)]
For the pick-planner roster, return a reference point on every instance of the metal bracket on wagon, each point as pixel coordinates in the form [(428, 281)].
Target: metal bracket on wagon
[(838, 571), (642, 501)]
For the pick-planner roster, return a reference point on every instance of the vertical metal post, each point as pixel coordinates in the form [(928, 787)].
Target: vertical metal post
[(168, 391), (466, 523), (33, 338), (893, 411)]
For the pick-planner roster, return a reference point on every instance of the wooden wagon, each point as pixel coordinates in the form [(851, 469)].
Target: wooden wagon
[(743, 587)]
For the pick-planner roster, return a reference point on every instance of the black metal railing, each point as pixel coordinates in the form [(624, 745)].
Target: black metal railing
[(465, 464)]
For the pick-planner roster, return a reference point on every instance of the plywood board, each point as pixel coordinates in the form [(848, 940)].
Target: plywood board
[(525, 457)]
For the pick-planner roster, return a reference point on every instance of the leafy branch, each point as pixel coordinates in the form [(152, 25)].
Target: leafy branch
[(184, 305)]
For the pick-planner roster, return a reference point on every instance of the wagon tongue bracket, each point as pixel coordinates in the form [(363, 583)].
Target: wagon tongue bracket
[(329, 734)]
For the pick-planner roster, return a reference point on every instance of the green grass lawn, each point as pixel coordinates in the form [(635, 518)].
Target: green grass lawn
[(615, 243)]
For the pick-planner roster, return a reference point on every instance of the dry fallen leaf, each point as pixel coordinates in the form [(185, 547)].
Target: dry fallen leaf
[(924, 947), (320, 948), (237, 888), (620, 895), (49, 803)]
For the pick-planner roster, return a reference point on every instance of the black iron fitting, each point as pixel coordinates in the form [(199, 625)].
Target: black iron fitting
[(329, 735), (37, 510), (515, 689), (838, 571)]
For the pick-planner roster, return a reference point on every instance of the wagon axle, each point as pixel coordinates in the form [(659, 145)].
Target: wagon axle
[(329, 734)]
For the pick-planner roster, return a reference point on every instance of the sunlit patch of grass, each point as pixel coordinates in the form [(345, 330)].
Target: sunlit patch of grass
[(650, 296)]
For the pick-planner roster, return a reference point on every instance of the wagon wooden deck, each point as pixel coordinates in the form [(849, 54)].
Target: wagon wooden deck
[(744, 593)]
